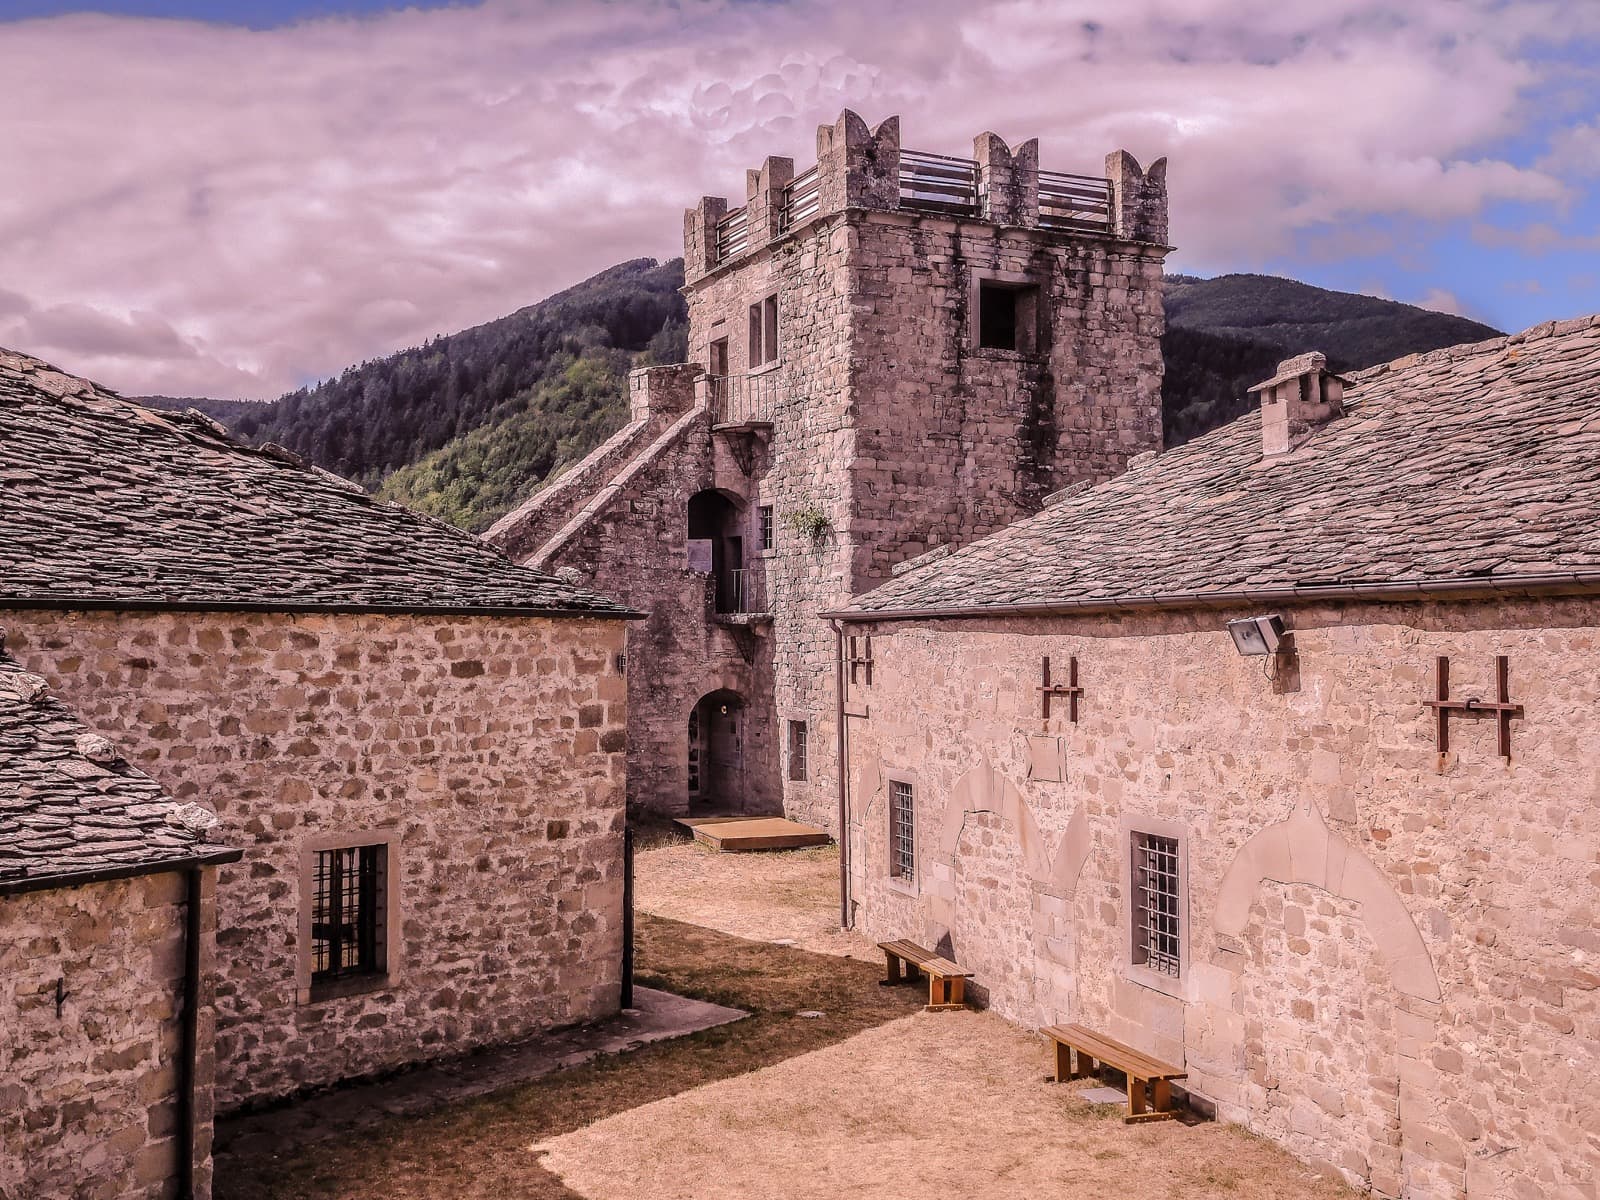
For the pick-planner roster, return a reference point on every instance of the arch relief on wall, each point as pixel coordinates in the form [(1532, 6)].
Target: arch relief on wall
[(1302, 849)]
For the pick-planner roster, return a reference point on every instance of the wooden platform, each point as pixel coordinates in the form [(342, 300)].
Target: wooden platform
[(753, 833)]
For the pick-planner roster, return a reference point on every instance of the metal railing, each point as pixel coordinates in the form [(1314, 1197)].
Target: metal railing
[(733, 234), (742, 591), (938, 182), (743, 399), (1074, 202), (801, 199)]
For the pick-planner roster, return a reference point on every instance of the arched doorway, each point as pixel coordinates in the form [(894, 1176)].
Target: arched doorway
[(716, 754), (716, 545)]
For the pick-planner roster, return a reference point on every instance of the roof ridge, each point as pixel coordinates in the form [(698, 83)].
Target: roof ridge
[(1464, 350)]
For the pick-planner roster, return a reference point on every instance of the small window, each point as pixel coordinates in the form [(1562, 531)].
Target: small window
[(766, 526), (1007, 316), (798, 735), (764, 332), (1156, 903), (902, 831), (346, 925)]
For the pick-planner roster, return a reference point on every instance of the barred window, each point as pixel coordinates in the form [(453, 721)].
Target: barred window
[(345, 926), (766, 527), (798, 737), (1155, 903), (902, 831)]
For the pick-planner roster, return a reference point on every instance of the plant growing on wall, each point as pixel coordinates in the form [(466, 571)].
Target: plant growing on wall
[(810, 522)]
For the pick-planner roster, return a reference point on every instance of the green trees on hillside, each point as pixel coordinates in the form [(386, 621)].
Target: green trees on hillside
[(390, 412)]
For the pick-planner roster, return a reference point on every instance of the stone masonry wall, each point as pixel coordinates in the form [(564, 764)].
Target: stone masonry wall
[(632, 545), (491, 748), (805, 471), (953, 440), (1390, 957), (89, 1098)]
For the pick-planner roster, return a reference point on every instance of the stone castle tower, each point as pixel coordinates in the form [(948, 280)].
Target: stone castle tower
[(894, 352)]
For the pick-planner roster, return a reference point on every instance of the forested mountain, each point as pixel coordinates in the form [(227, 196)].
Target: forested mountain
[(469, 424), (386, 413), (1227, 333)]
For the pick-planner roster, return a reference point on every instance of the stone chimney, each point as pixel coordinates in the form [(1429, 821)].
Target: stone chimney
[(1301, 396)]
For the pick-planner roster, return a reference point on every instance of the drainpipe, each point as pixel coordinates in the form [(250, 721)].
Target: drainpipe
[(187, 1062), (841, 764)]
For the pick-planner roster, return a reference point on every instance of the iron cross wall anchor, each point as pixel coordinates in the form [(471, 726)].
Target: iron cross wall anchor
[(1502, 707), (1070, 689)]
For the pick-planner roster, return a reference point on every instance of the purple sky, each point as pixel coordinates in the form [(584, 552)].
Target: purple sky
[(205, 198)]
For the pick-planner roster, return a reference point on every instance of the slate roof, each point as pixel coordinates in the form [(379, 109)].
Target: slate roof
[(1476, 464), (105, 502), (71, 807)]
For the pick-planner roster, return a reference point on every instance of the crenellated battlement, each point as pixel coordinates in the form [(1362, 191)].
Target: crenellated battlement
[(859, 168)]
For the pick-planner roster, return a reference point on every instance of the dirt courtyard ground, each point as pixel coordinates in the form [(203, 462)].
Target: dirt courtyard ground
[(873, 1097)]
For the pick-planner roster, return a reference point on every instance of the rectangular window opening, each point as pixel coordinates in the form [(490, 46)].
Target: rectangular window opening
[(766, 526), (1156, 900), (346, 922), (764, 332), (798, 738), (1008, 316), (902, 831)]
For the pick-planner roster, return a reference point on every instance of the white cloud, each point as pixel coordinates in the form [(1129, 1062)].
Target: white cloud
[(206, 209)]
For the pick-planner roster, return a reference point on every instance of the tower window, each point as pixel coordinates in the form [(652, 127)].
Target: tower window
[(1008, 316), (766, 527), (764, 332)]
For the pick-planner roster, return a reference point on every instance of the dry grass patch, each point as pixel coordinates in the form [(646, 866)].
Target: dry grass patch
[(765, 895), (932, 1104), (481, 1148)]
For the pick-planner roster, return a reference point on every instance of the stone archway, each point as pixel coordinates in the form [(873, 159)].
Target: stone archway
[(1302, 849)]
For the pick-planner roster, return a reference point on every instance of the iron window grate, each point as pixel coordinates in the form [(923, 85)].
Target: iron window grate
[(902, 831), (344, 913), (1156, 932), (766, 527), (798, 736)]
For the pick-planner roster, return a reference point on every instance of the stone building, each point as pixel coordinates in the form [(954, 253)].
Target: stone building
[(418, 745), (1345, 871), (894, 351), (107, 923)]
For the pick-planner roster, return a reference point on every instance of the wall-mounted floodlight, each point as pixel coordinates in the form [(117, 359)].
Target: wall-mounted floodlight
[(1257, 635)]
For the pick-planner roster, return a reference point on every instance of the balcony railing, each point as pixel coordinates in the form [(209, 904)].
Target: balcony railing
[(744, 399), (1074, 202), (801, 199), (741, 591), (938, 183), (733, 234)]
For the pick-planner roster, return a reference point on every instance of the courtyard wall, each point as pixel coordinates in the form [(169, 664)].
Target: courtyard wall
[(1388, 953), (488, 753), (89, 1095)]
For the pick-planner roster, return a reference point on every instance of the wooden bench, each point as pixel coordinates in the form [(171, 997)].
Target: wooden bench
[(947, 982), (1139, 1067)]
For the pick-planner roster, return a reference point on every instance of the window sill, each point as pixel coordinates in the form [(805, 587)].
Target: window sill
[(1167, 985), (765, 368), (350, 985), (995, 354), (899, 884)]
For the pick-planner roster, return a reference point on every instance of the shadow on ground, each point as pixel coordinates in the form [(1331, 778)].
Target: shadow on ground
[(481, 1148)]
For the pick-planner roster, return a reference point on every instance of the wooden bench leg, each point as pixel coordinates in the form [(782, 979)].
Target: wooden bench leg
[(1085, 1067), (1063, 1062), (1135, 1098), (958, 990), (938, 991), (1161, 1090), (893, 967)]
